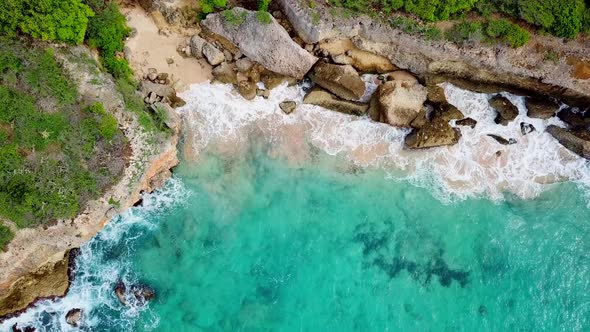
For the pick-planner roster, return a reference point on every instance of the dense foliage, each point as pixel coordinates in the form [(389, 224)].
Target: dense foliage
[(61, 20), (5, 236), (209, 6), (51, 150), (510, 32), (561, 18)]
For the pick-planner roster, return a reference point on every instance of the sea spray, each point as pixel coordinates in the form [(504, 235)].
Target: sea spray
[(477, 166)]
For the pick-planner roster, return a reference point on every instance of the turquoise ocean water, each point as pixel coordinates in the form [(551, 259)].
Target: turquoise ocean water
[(254, 243)]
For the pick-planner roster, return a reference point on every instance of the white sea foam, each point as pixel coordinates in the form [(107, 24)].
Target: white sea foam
[(93, 286), (476, 166)]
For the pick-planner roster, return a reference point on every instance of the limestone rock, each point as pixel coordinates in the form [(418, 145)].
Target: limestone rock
[(213, 55), (268, 44), (244, 64), (263, 93), (247, 89), (288, 106), (506, 110), (436, 94), (401, 102), (335, 47), (467, 122), (341, 80), (578, 141), (403, 76), (325, 99), (367, 62), (574, 117), (196, 46), (434, 133), (225, 73), (73, 317), (541, 108), (272, 80), (342, 59)]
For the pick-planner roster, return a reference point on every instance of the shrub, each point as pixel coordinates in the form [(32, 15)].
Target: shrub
[(209, 6), (11, 12), (466, 32), (62, 20), (233, 18), (105, 123), (263, 5), (6, 236), (510, 32), (46, 79)]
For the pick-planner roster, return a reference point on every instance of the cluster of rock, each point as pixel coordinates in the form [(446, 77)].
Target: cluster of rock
[(160, 97), (246, 51)]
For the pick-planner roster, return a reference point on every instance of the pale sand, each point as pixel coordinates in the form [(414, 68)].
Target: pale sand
[(150, 49)]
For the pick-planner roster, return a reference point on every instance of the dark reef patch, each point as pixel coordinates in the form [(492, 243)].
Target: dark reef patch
[(383, 250)]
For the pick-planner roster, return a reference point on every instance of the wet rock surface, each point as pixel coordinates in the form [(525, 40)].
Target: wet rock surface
[(467, 122), (526, 128), (325, 99), (577, 141), (134, 295), (541, 108), (507, 112), (74, 317), (288, 106), (401, 102), (503, 140)]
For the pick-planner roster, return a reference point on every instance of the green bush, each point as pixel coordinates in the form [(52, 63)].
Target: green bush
[(510, 32), (105, 123), (263, 5), (6, 236), (209, 6), (263, 17), (62, 20), (11, 12), (466, 32), (46, 79), (233, 17)]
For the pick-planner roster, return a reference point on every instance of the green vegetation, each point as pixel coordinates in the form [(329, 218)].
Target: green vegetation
[(561, 18), (6, 236), (510, 32), (53, 153), (412, 26), (263, 5), (61, 20), (263, 17), (233, 17), (209, 6), (466, 33)]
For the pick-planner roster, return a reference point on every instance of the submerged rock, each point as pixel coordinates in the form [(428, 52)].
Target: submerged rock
[(541, 108), (507, 112), (268, 44), (578, 141), (288, 106), (502, 140), (325, 99), (73, 317), (401, 102), (341, 80), (526, 128), (15, 328), (136, 295)]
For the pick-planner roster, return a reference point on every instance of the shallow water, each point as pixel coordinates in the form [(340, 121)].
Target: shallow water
[(246, 238)]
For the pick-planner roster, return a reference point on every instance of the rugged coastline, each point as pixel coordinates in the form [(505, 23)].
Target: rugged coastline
[(430, 63)]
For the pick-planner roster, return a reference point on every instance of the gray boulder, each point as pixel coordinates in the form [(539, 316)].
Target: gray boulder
[(213, 55), (401, 102), (341, 80), (269, 44), (196, 46)]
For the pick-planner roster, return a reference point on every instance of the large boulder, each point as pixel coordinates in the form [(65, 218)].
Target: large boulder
[(434, 133), (213, 55), (401, 102), (341, 80), (505, 109), (269, 44), (196, 46), (225, 73), (325, 99), (541, 108), (367, 62), (578, 141), (574, 117)]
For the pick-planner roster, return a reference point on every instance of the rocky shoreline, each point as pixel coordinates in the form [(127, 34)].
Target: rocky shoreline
[(333, 53)]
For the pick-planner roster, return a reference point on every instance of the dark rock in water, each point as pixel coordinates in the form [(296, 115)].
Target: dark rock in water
[(436, 132), (73, 317), (576, 141), (575, 117), (288, 106), (138, 294), (541, 108), (502, 140), (467, 122), (15, 328), (506, 110), (526, 128), (225, 73), (483, 310)]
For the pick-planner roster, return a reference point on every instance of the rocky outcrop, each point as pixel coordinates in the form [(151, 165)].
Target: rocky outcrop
[(434, 133), (575, 118), (503, 140), (341, 80), (367, 62), (577, 141), (325, 99), (401, 102), (505, 109), (196, 46), (288, 106), (74, 317), (135, 295), (267, 44), (541, 108)]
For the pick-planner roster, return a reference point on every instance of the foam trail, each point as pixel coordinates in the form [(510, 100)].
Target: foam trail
[(97, 272), (476, 166)]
